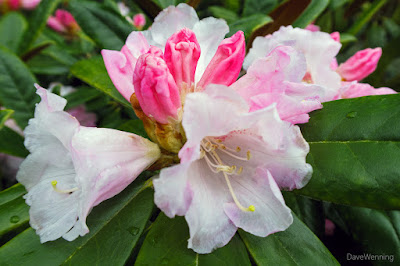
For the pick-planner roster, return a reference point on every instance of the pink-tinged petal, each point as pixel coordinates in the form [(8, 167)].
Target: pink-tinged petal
[(156, 89), (360, 65), (182, 52), (120, 66), (85, 118), (355, 89), (318, 48), (209, 32), (173, 193), (215, 113), (313, 27), (72, 168), (209, 226), (225, 66), (107, 161), (335, 36), (137, 44), (30, 4), (169, 21), (271, 214), (139, 20), (56, 25)]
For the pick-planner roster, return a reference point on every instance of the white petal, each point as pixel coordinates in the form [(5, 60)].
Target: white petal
[(271, 214), (169, 21), (209, 33)]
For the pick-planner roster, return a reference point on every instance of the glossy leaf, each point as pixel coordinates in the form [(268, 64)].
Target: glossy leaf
[(12, 143), (4, 116), (295, 246), (115, 227), (378, 232), (221, 12), (12, 27), (166, 243), (37, 23), (134, 126), (17, 90), (257, 6), (108, 29), (248, 24), (93, 72), (14, 215), (355, 152), (313, 10), (81, 96)]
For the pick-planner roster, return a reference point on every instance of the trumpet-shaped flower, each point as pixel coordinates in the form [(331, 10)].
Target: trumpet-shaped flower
[(318, 48), (277, 78), (73, 168), (231, 168), (194, 51)]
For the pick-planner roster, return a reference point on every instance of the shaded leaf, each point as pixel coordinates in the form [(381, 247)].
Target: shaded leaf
[(12, 143), (14, 215), (17, 90), (313, 10), (4, 116), (115, 227), (108, 29), (93, 72), (295, 246), (257, 6), (166, 243), (37, 23), (12, 27), (248, 24)]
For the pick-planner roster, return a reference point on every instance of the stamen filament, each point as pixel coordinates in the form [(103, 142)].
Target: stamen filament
[(64, 191)]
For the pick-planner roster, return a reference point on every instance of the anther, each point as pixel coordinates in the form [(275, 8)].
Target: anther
[(248, 155), (240, 170), (238, 149)]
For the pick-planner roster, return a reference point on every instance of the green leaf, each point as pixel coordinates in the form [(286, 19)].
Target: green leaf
[(37, 23), (366, 16), (108, 29), (297, 245), (307, 210), (81, 96), (115, 227), (248, 24), (4, 116), (347, 38), (166, 243), (17, 90), (14, 215), (377, 231), (355, 152), (93, 72), (256, 6), (134, 126), (46, 65), (12, 27), (313, 10), (226, 14), (12, 143)]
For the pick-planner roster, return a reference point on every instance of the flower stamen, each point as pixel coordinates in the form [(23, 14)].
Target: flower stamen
[(63, 191)]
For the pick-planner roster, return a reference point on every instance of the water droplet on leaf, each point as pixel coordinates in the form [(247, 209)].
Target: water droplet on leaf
[(133, 230), (14, 219), (351, 114)]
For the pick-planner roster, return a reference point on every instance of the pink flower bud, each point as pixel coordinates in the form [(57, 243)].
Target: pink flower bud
[(63, 22), (360, 65), (139, 20), (312, 27), (182, 51), (13, 4), (155, 88), (335, 36), (225, 66)]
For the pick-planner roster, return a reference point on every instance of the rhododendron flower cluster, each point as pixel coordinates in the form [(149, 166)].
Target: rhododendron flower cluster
[(225, 146)]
